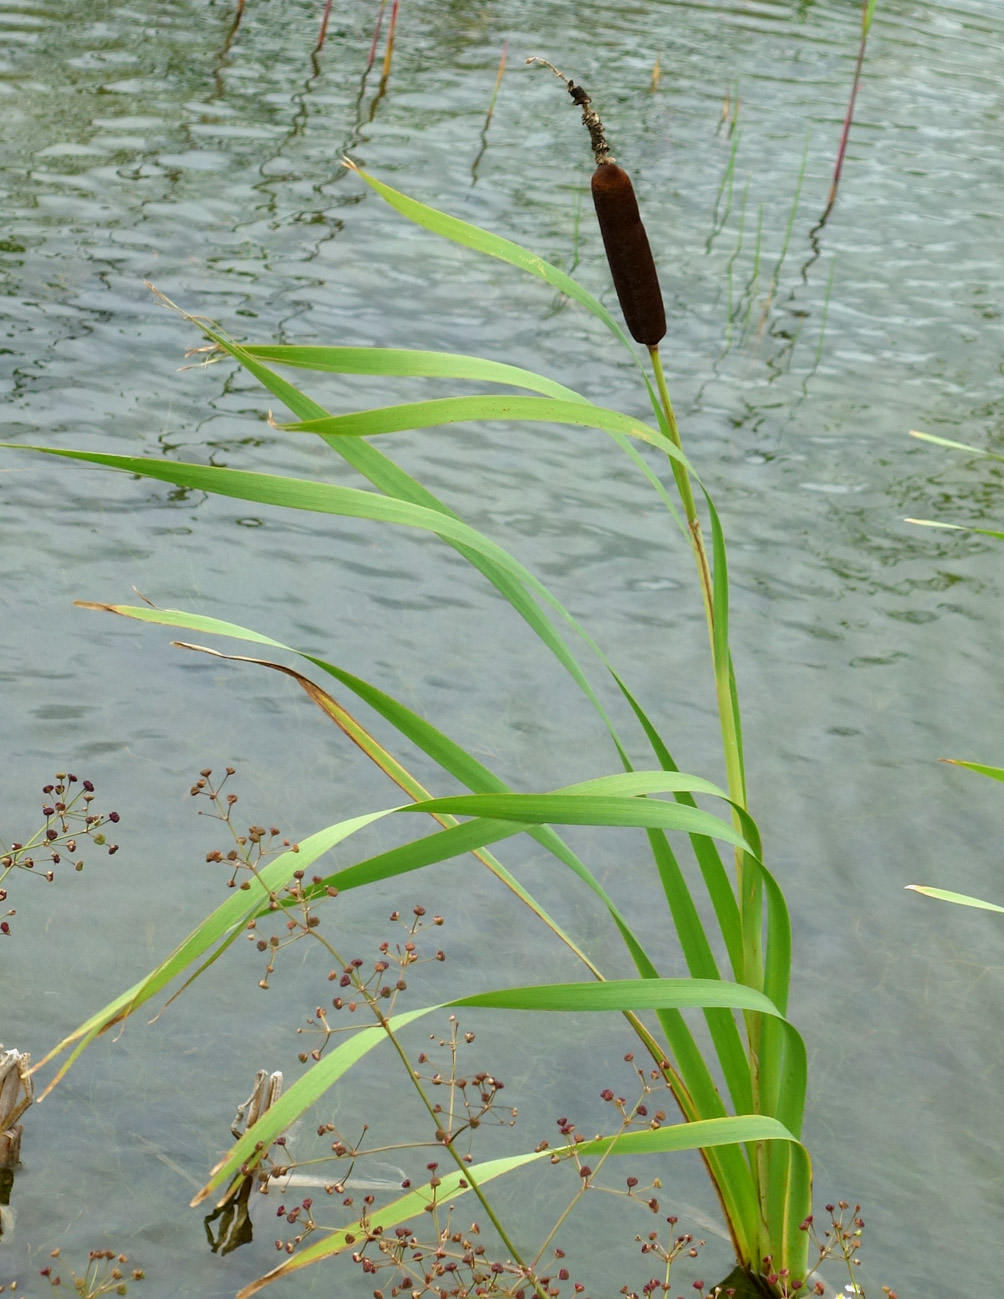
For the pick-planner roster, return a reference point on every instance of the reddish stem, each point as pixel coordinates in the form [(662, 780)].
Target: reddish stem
[(845, 135), (324, 26), (376, 35)]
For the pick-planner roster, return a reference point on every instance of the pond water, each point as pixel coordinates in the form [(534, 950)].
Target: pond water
[(162, 142)]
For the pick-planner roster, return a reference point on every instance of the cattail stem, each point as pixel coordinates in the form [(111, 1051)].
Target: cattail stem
[(746, 880), (636, 281), (590, 117)]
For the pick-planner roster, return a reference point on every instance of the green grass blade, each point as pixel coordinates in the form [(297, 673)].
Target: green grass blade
[(623, 994), (235, 911), (995, 773), (706, 1135), (958, 527), (789, 1201), (580, 809), (960, 899), (483, 241), (455, 410), (407, 363), (956, 446)]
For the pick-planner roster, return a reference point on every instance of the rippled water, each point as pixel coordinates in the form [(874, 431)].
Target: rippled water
[(162, 143)]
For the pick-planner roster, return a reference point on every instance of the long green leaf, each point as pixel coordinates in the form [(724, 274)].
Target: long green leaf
[(406, 363), (626, 994), (956, 446), (582, 809), (961, 899), (492, 245), (981, 769), (455, 410), (623, 994), (959, 527), (703, 1135), (238, 908)]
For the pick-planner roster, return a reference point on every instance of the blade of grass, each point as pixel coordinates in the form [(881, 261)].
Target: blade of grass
[(956, 446), (957, 527), (706, 1135), (454, 410), (981, 769), (614, 995), (492, 245), (961, 899), (405, 363), (234, 912)]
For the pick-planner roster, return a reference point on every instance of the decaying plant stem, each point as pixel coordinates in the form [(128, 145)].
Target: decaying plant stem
[(590, 117)]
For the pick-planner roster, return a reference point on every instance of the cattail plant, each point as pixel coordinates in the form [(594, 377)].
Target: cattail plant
[(741, 1087)]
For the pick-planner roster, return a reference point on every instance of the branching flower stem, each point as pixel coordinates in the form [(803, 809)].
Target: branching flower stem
[(447, 1144)]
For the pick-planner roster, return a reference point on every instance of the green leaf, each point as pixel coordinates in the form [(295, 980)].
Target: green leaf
[(238, 908), (581, 809), (614, 995), (705, 1135), (956, 446), (623, 994), (995, 773), (406, 363), (960, 899), (485, 406), (958, 527), (492, 245)]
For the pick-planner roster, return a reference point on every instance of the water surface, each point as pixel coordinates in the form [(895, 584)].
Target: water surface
[(161, 143)]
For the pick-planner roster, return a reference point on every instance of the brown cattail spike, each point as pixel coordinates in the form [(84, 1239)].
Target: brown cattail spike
[(628, 253), (624, 237)]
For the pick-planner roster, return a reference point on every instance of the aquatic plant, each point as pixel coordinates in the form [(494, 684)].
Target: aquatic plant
[(748, 1132), (105, 1274), (867, 15)]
